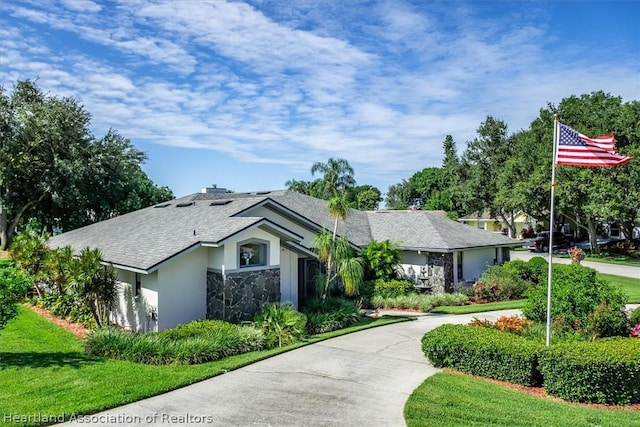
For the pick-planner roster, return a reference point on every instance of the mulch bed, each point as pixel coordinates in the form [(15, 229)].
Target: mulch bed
[(540, 392), (75, 328)]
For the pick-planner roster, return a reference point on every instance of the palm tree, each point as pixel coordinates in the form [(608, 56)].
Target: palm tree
[(337, 176), (337, 253)]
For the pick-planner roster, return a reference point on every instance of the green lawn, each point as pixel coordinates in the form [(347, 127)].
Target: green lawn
[(629, 286), (449, 399), (478, 308), (43, 370)]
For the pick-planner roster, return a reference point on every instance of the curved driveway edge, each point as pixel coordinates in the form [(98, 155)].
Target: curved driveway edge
[(363, 378)]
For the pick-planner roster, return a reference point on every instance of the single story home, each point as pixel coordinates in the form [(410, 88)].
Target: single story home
[(485, 221), (222, 255)]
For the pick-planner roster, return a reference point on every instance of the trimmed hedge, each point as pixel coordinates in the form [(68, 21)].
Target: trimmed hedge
[(486, 352), (603, 371)]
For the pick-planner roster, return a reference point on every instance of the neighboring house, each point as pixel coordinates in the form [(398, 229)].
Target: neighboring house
[(217, 255), (485, 221)]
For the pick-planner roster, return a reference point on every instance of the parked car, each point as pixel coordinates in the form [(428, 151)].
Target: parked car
[(540, 243)]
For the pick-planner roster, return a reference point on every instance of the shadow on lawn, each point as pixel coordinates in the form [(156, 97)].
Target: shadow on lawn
[(46, 360)]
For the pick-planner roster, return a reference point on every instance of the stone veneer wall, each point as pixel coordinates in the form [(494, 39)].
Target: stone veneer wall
[(440, 267), (245, 292)]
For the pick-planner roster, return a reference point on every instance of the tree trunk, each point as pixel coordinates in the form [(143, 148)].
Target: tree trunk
[(4, 237), (627, 229), (593, 235)]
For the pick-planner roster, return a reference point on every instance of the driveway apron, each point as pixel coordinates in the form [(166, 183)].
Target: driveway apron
[(362, 378)]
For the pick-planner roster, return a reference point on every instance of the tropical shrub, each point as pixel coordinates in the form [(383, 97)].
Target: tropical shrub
[(66, 306), (576, 294), (486, 352), (94, 284), (13, 285), (420, 302), (329, 314), (381, 260), (392, 288), (29, 250), (281, 324), (603, 371), (185, 345)]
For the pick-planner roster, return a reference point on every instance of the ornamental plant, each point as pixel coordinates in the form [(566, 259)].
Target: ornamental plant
[(576, 254), (635, 331)]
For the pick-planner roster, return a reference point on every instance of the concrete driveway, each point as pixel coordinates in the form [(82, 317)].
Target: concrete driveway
[(363, 378)]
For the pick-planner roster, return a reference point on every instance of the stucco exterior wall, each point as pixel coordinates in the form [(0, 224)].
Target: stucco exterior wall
[(182, 289), (290, 225), (475, 261), (231, 250), (134, 313), (216, 257), (289, 276)]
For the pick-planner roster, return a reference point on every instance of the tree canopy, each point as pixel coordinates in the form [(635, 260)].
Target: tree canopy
[(509, 173), (54, 171)]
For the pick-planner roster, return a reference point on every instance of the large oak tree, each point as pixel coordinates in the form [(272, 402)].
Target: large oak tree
[(54, 171)]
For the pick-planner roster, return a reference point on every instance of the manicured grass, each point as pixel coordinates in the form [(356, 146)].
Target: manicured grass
[(43, 370), (614, 259), (451, 399), (478, 308), (629, 286)]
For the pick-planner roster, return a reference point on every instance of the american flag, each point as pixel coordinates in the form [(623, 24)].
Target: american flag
[(575, 149)]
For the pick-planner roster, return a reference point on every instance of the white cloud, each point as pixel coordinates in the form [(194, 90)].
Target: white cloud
[(291, 84)]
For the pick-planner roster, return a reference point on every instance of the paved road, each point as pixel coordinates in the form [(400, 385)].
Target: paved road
[(619, 270), (363, 378)]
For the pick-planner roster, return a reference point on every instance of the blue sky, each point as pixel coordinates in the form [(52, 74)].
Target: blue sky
[(247, 95)]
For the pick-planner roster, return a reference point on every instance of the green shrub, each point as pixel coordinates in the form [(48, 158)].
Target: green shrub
[(200, 328), (190, 345), (417, 302), (603, 371), (576, 294), (538, 332), (606, 321), (485, 352), (366, 291), (538, 269), (439, 300), (281, 324), (381, 260), (329, 315), (634, 316), (392, 288), (13, 285), (503, 282)]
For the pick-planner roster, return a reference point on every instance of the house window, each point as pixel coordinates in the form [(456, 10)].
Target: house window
[(138, 286), (253, 253)]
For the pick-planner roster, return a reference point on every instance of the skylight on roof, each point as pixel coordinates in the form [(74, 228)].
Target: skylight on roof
[(261, 193), (220, 202), (184, 205), (162, 205)]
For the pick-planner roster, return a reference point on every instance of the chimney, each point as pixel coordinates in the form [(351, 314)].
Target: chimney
[(213, 190)]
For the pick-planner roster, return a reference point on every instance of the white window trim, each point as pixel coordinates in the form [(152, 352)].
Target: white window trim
[(267, 248)]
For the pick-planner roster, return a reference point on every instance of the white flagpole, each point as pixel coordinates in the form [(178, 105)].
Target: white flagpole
[(551, 224)]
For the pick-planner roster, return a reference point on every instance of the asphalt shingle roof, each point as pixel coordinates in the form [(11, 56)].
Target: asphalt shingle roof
[(147, 237), (426, 231)]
